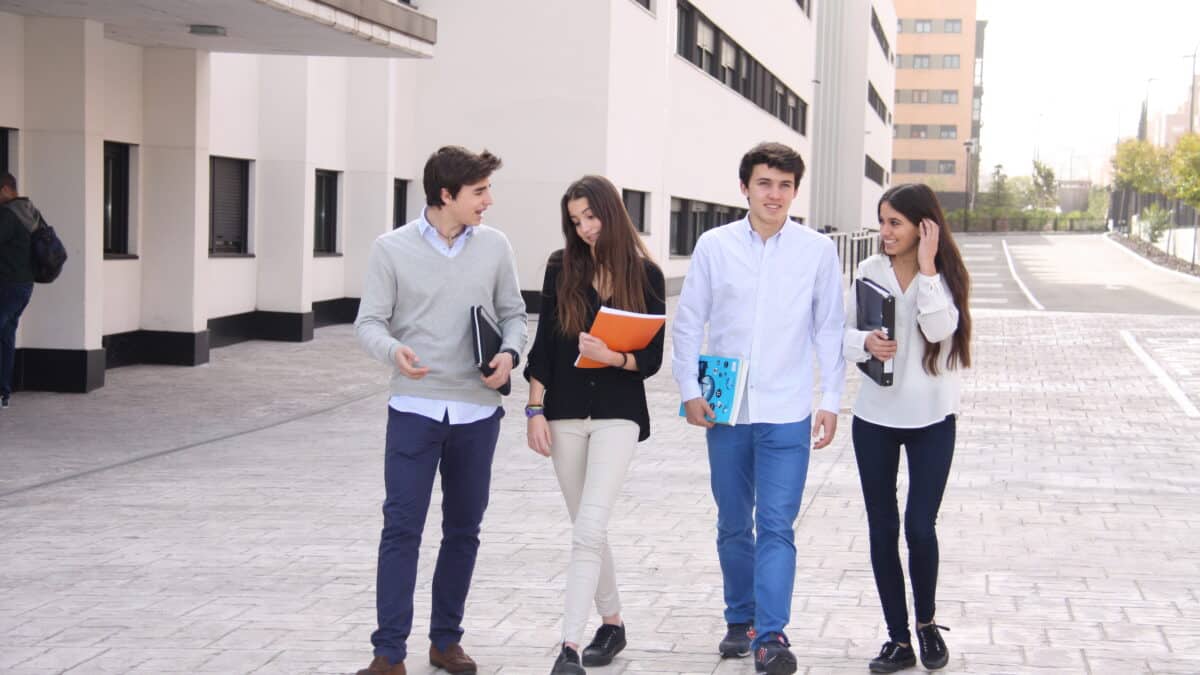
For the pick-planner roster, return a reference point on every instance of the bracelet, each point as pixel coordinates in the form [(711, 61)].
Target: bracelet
[(534, 410), (624, 360)]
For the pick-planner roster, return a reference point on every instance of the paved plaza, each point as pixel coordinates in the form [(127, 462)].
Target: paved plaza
[(225, 518)]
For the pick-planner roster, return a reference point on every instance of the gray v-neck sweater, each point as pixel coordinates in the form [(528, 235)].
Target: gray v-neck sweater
[(417, 297)]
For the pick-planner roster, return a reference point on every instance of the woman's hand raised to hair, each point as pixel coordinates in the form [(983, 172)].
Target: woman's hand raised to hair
[(928, 248)]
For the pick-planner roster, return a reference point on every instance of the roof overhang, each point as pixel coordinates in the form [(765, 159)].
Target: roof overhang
[(378, 28)]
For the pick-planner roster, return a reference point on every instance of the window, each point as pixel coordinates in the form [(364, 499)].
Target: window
[(326, 213), (920, 96), (949, 96), (399, 202), (946, 166), (228, 206), (3, 150), (874, 171), (116, 198), (876, 102), (923, 26), (916, 166), (691, 218), (920, 61), (950, 60), (706, 46), (700, 41), (877, 28), (635, 204), (644, 3), (948, 131), (953, 26), (729, 57), (805, 6), (919, 131)]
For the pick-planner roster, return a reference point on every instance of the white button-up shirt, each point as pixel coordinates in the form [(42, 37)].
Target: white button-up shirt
[(776, 304), (458, 412)]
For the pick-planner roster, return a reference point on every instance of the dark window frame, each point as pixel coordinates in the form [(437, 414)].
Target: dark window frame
[(325, 211), (877, 28), (948, 131), (946, 59), (636, 204), (918, 24), (875, 172), (116, 198), (947, 167), (399, 202), (925, 59), (949, 23), (691, 218), (240, 225), (876, 102)]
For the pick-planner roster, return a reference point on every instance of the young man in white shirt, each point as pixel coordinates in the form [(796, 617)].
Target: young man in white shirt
[(770, 292)]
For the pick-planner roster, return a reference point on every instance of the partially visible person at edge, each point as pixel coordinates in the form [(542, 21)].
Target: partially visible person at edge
[(921, 266), (589, 421), (415, 317), (770, 292), (18, 217)]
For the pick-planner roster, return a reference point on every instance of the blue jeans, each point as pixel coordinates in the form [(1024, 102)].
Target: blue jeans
[(758, 473), (417, 447), (14, 297), (930, 450)]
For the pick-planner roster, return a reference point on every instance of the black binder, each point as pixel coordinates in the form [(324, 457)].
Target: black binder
[(876, 310), (486, 340)]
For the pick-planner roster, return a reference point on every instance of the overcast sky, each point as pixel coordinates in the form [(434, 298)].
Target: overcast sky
[(1064, 78)]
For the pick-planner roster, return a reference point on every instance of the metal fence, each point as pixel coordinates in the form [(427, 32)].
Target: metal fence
[(1058, 224), (854, 247)]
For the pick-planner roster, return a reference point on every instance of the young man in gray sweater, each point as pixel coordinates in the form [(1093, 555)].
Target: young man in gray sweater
[(422, 280)]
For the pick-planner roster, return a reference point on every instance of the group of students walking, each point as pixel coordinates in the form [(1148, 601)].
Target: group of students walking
[(763, 289)]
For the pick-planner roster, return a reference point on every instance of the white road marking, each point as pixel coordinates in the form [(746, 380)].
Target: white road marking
[(1172, 388), (1012, 269)]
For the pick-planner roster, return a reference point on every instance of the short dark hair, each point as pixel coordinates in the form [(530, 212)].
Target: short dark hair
[(452, 167), (8, 181), (775, 156)]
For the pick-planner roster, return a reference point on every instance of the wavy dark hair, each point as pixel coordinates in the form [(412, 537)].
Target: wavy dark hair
[(620, 256), (916, 202)]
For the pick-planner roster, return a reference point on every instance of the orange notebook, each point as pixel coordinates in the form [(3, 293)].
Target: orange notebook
[(623, 332)]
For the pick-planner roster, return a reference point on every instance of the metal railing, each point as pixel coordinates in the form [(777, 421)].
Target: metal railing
[(854, 247)]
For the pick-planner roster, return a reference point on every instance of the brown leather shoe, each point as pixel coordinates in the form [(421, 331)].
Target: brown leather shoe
[(381, 666), (453, 660)]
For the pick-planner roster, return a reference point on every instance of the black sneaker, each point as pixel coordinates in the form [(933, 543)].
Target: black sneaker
[(567, 663), (893, 657), (773, 657), (4, 402), (609, 642), (934, 654), (736, 643)]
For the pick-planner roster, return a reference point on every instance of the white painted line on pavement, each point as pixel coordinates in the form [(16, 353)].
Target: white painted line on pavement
[(975, 245), (984, 274), (978, 258), (1013, 269), (1148, 263), (1172, 388), (986, 284), (986, 301)]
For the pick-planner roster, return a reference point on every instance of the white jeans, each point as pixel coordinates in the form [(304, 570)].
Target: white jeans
[(591, 458)]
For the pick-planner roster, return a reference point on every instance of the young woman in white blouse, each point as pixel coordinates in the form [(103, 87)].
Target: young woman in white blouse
[(922, 267)]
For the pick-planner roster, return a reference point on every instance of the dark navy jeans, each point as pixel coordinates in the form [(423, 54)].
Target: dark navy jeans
[(417, 447), (929, 450), (14, 297)]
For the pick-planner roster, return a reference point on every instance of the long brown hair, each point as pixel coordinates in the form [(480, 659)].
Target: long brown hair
[(916, 202), (620, 256)]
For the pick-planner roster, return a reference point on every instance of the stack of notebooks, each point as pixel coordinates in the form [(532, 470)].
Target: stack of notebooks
[(876, 311)]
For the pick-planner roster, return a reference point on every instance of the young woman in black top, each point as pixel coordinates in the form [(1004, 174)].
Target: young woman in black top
[(589, 421)]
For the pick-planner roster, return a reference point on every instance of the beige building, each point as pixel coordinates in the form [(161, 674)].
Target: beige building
[(939, 86)]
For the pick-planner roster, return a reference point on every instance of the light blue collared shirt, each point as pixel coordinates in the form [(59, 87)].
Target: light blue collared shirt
[(458, 412), (775, 303)]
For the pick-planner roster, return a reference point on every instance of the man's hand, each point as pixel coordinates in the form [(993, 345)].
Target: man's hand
[(538, 431), (824, 427), (406, 361), (699, 413), (503, 363), (879, 346)]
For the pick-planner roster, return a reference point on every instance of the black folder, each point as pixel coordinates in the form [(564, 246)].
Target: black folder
[(486, 340), (876, 310)]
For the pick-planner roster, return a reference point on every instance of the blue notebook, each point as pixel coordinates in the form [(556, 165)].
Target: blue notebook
[(722, 384)]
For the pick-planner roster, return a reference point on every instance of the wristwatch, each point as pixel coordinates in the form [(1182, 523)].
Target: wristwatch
[(515, 356), (534, 410)]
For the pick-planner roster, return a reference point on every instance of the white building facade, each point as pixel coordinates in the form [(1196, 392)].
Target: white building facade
[(212, 188), (853, 128)]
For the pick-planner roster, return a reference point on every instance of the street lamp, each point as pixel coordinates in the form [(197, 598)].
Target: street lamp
[(969, 146)]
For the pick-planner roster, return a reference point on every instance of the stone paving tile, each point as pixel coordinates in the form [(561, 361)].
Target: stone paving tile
[(1067, 534)]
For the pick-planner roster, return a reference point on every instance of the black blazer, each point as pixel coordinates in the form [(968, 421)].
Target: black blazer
[(600, 393)]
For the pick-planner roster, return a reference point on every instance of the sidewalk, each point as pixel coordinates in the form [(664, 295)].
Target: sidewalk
[(1067, 535)]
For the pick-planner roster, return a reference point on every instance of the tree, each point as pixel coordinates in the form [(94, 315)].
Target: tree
[(1185, 168), (1143, 168), (1045, 187), (999, 196)]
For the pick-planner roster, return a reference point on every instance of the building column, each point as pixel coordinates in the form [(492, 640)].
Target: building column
[(63, 175), (175, 206)]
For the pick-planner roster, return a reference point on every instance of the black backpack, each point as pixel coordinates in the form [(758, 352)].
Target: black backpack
[(47, 253)]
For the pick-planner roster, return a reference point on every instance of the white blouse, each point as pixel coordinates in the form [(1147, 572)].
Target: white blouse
[(916, 399)]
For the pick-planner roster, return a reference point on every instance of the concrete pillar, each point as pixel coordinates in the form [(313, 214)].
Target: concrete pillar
[(175, 178), (368, 182), (286, 188), (63, 174)]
